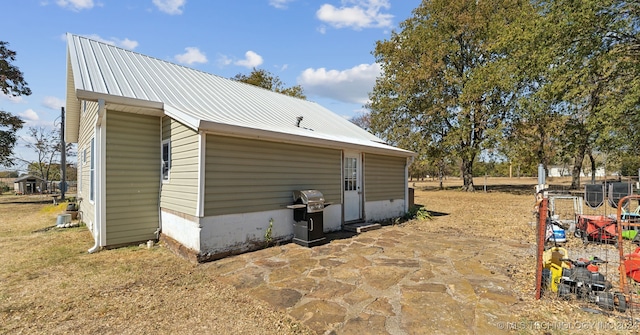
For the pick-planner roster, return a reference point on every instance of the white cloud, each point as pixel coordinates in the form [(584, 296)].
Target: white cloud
[(223, 60), (76, 5), (52, 102), (16, 100), (251, 60), (280, 4), (30, 116), (126, 43), (362, 14), (193, 55), (171, 7), (350, 85)]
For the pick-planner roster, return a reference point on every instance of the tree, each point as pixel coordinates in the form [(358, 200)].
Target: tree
[(265, 79), (9, 174), (534, 135), (46, 144), (11, 78), (445, 85), (362, 120), (588, 51), (9, 125), (13, 84)]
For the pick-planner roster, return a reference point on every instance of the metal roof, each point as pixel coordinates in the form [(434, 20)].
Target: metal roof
[(27, 177), (204, 101)]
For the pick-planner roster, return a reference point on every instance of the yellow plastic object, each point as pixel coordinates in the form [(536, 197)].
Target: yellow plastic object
[(551, 259)]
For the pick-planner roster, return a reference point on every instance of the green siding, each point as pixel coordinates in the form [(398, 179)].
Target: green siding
[(132, 177), (86, 132), (384, 177), (180, 192), (249, 176)]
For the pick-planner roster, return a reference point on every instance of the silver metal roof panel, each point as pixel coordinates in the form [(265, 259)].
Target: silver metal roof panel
[(205, 101)]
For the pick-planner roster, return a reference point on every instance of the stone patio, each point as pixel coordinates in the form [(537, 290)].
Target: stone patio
[(395, 280)]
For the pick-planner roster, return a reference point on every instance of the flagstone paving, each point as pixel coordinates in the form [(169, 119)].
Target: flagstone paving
[(395, 280)]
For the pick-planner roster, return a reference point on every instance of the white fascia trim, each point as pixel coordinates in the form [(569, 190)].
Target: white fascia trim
[(116, 99), (253, 133), (182, 117), (202, 150)]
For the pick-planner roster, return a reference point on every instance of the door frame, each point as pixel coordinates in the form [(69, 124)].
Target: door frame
[(359, 182)]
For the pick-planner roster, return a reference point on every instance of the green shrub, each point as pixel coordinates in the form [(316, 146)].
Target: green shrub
[(419, 213)]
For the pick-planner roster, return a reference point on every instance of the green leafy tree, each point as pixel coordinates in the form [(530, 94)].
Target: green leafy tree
[(590, 69), (13, 84), (9, 174), (534, 135), (630, 165), (267, 80), (11, 78), (445, 84), (9, 125)]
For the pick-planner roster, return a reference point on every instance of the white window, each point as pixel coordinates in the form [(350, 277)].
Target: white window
[(166, 159), (350, 174), (92, 172)]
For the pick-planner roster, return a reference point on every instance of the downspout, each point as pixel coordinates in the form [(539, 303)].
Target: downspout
[(97, 211), (159, 230)]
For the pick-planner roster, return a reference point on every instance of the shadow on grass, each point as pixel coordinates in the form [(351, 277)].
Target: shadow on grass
[(26, 202), (518, 189), (510, 189), (436, 214)]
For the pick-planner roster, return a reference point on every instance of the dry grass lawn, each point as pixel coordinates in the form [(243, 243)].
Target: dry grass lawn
[(49, 284), (505, 213)]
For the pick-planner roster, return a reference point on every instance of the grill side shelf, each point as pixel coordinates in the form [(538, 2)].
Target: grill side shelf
[(296, 206)]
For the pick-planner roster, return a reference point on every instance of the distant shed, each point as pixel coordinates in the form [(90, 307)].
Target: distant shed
[(29, 185)]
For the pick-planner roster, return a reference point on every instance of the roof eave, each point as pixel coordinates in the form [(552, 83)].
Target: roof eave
[(259, 134), (119, 100)]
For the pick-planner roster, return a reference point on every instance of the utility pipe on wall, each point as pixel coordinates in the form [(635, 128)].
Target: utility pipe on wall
[(63, 159)]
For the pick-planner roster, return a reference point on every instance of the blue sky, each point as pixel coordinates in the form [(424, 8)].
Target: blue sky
[(325, 46)]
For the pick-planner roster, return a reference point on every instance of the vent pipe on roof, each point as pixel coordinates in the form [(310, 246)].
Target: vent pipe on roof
[(299, 118)]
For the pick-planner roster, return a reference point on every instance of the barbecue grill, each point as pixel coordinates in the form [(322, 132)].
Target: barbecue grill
[(308, 208)]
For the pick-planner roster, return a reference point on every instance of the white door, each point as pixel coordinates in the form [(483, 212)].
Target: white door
[(352, 187)]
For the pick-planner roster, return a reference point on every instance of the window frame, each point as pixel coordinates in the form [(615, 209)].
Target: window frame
[(165, 167)]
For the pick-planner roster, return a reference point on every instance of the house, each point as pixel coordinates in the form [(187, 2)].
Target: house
[(207, 163), (29, 184), (566, 170)]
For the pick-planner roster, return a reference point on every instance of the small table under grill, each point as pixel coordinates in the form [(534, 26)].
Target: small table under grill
[(308, 209)]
